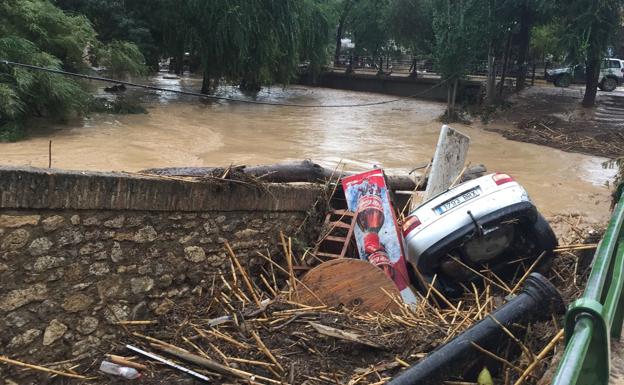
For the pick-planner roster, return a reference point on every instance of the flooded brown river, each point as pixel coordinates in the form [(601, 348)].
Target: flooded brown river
[(183, 131)]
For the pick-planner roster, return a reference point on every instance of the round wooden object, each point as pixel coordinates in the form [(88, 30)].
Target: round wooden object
[(348, 282)]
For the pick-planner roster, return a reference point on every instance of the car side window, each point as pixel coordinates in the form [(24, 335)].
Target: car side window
[(614, 64)]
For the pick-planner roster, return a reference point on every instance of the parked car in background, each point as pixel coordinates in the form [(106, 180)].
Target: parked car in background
[(488, 221), (611, 75)]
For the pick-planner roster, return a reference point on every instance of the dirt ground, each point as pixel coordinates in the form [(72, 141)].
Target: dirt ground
[(554, 117)]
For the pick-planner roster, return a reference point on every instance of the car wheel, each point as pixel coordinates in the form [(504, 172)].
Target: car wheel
[(545, 240), (563, 81), (608, 84)]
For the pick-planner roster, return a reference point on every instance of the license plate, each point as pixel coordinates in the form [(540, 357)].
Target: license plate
[(458, 200)]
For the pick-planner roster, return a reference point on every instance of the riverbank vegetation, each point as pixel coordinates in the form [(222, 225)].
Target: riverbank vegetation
[(38, 33), (262, 42)]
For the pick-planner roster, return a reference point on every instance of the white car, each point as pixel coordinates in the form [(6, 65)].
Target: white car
[(484, 221), (611, 75)]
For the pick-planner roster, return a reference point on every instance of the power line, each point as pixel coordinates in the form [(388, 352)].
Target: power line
[(214, 97)]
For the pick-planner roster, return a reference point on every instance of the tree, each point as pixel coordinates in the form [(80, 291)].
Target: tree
[(546, 41), (314, 35), (138, 21), (590, 27), (458, 28), (368, 27), (38, 33), (410, 24), (122, 58), (256, 42), (343, 9)]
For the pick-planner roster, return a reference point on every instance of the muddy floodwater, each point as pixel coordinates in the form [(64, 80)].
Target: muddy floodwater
[(184, 131)]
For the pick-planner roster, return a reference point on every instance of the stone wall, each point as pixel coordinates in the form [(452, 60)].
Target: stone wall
[(68, 274), (422, 88)]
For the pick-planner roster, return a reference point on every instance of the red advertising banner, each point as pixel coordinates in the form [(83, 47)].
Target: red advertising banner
[(377, 234)]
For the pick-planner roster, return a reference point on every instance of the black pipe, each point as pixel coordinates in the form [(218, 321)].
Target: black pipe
[(538, 300)]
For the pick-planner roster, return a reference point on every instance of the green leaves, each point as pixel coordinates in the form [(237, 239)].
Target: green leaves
[(122, 58), (256, 42), (410, 24), (458, 35), (49, 28), (485, 378), (25, 93), (11, 106), (38, 33)]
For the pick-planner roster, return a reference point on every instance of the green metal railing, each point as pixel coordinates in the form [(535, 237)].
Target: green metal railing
[(597, 315)]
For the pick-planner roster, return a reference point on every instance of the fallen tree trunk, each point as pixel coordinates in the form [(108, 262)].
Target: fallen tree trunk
[(304, 171)]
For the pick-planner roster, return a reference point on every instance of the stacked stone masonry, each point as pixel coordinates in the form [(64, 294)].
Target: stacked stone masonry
[(68, 275)]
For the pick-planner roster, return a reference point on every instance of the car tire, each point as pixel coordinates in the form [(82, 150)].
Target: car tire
[(563, 81), (608, 84), (545, 241)]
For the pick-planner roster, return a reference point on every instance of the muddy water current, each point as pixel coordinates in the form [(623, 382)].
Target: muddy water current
[(184, 131)]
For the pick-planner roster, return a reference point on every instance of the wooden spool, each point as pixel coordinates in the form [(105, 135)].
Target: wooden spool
[(352, 283)]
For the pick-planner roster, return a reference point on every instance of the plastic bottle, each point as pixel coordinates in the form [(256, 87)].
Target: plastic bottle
[(117, 370)]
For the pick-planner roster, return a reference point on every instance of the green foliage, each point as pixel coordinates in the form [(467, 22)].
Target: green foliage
[(485, 378), (369, 28), (410, 24), (38, 33), (458, 27), (25, 93), (11, 106), (256, 42), (546, 40), (315, 29), (139, 21), (589, 27), (63, 36), (618, 180), (119, 105), (11, 132), (122, 58)]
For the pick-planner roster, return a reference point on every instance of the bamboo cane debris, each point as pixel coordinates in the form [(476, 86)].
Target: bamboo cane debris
[(169, 363), (10, 361), (219, 326), (124, 361), (201, 361), (344, 335)]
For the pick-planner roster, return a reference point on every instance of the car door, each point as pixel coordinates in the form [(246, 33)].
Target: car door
[(578, 73), (615, 66)]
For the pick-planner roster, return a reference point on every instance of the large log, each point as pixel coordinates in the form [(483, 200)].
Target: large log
[(304, 171)]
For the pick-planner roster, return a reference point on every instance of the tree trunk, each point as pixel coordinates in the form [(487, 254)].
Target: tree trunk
[(292, 172), (340, 30), (505, 63), (523, 49), (206, 82), (449, 108), (413, 69), (490, 86), (592, 73), (338, 42), (454, 97), (179, 64)]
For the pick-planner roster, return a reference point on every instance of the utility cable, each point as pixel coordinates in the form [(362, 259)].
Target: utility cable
[(214, 97)]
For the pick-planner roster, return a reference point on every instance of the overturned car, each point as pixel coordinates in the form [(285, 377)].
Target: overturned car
[(486, 222)]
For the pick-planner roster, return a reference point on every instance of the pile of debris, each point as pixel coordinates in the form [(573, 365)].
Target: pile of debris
[(377, 299), (254, 331), (567, 136)]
